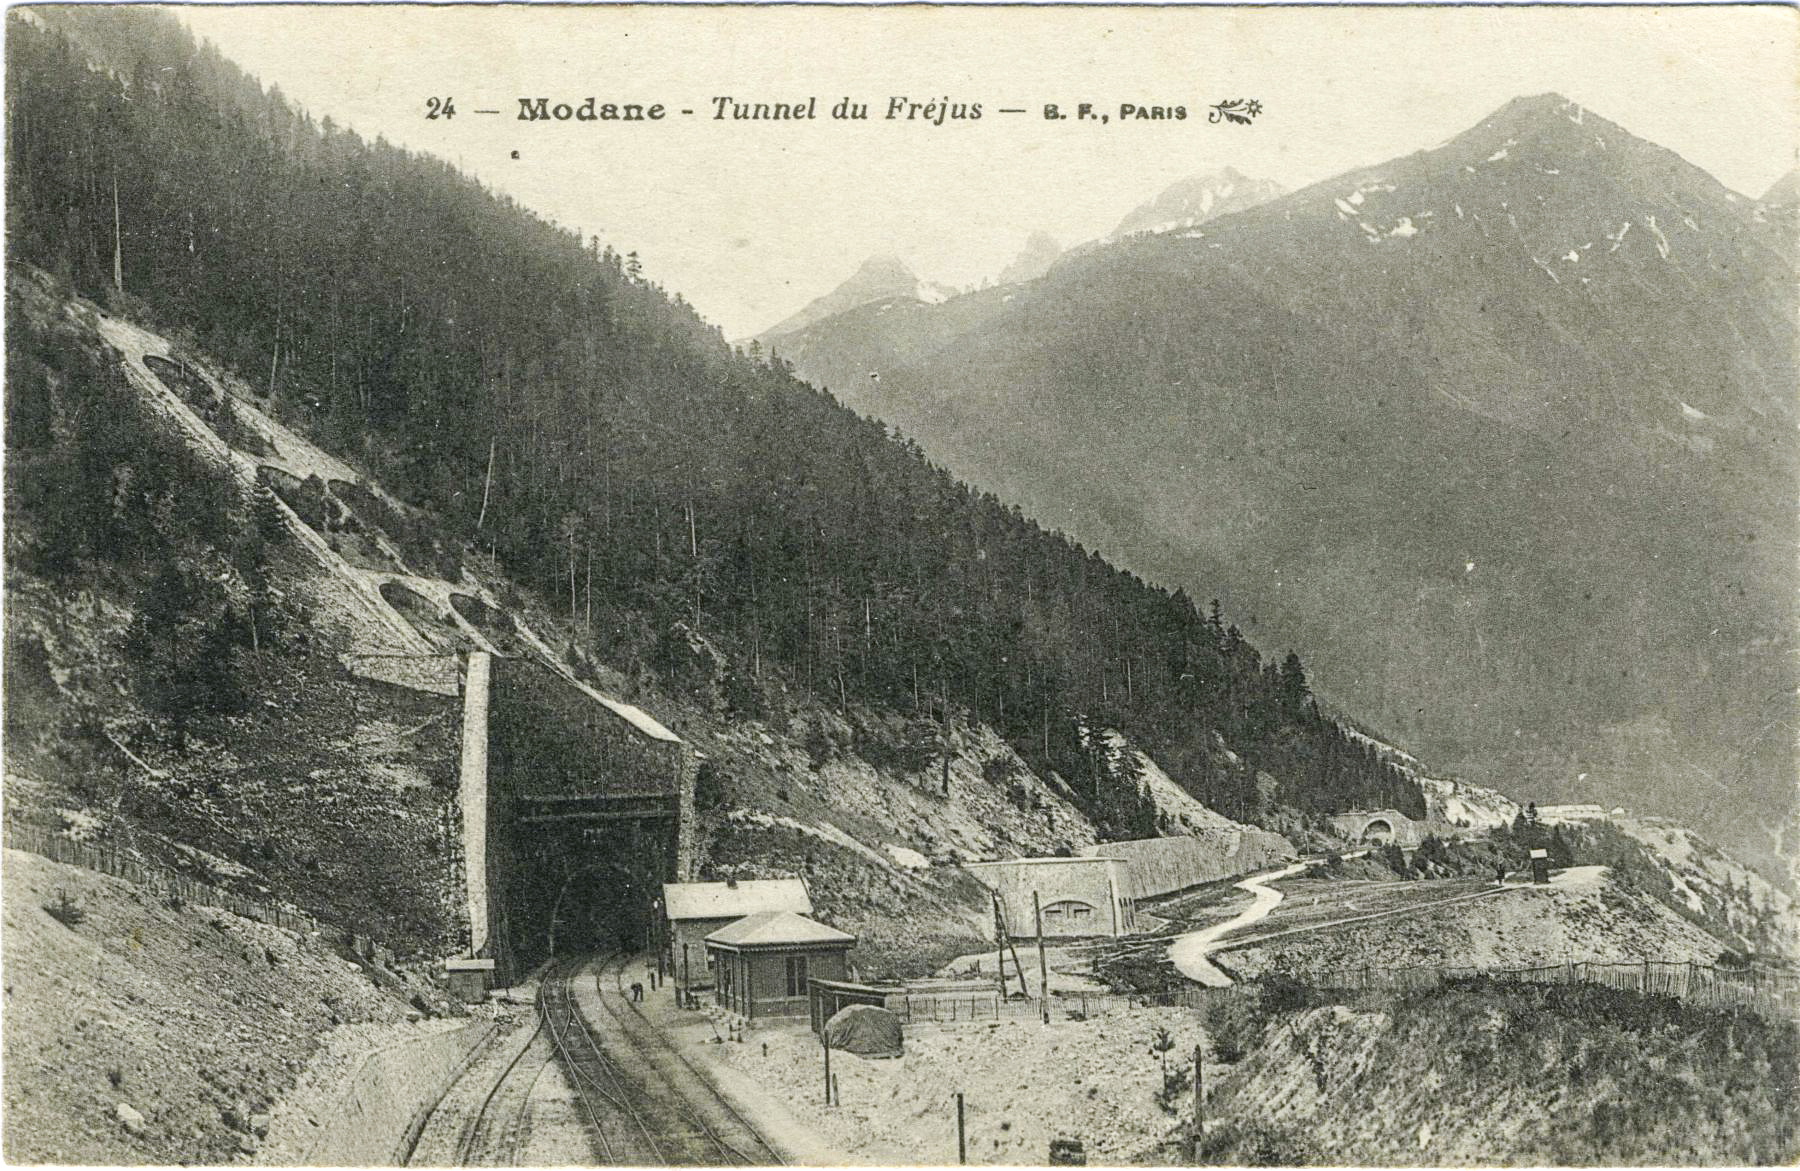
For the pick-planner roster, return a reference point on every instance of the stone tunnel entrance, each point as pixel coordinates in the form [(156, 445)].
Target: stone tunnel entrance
[(572, 887), (575, 812)]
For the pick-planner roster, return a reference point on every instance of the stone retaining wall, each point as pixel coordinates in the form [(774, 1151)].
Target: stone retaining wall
[(390, 1095)]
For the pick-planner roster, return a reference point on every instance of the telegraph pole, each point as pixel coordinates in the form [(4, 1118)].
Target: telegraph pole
[(1037, 909), (1199, 1103)]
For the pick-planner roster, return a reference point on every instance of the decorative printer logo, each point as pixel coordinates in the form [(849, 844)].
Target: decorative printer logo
[(1241, 110)]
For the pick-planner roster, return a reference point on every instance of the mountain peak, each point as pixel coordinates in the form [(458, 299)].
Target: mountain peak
[(1785, 191), (881, 277), (885, 266), (1034, 260), (1197, 199)]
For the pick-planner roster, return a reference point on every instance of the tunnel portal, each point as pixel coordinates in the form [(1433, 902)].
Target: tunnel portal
[(583, 807)]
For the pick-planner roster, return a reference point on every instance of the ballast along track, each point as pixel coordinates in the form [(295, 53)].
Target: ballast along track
[(601, 1094), (722, 1135), (495, 1136), (646, 1105)]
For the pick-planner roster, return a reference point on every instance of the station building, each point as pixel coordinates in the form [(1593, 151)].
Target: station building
[(694, 910), (762, 963)]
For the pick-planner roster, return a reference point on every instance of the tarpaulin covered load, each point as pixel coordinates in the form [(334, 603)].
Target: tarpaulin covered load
[(866, 1031)]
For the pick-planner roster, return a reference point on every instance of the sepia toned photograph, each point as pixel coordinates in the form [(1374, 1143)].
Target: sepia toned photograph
[(901, 586)]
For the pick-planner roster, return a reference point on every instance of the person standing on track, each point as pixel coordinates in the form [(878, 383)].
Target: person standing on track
[(637, 990)]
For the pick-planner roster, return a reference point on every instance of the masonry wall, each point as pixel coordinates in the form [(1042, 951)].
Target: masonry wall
[(389, 1096), (1160, 866), (1097, 883)]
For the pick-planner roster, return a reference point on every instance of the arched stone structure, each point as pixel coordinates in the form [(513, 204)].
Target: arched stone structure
[(1370, 827)]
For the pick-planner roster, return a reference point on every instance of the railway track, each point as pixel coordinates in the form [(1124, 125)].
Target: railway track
[(605, 1098), (645, 1103), (718, 1134), (496, 1135), (636, 1100)]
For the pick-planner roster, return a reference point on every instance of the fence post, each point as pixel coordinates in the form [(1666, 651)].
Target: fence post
[(1199, 1103)]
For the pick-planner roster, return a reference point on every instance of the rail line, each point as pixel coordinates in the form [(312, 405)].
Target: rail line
[(638, 1101), (601, 1091), (685, 1084), (480, 1136)]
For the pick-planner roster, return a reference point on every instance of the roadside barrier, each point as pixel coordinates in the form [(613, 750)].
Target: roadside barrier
[(1771, 991)]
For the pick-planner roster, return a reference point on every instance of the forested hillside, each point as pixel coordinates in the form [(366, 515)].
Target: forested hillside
[(546, 401)]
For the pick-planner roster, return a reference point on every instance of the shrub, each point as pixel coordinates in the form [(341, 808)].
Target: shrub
[(1280, 994), (711, 787), (1175, 1090), (1254, 1144), (66, 910), (1231, 1027)]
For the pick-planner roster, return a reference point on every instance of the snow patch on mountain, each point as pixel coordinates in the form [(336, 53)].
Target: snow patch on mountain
[(1195, 201)]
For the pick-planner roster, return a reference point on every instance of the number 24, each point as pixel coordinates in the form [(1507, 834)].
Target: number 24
[(440, 108)]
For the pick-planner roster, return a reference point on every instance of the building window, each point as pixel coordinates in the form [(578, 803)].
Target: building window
[(1067, 911), (796, 975)]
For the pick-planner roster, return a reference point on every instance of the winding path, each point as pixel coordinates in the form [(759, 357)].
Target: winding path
[(1188, 953)]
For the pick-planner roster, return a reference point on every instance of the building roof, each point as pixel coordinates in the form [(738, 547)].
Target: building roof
[(723, 900), (777, 929)]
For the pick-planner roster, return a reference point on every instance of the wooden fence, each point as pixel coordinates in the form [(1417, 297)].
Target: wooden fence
[(974, 1007), (1769, 991), (1766, 990), (158, 879)]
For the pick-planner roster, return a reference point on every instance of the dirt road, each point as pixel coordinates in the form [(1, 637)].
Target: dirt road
[(1188, 953)]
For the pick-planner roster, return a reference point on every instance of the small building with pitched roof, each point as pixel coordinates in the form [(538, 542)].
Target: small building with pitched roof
[(694, 910), (762, 962)]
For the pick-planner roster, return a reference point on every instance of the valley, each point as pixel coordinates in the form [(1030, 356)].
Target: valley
[(462, 711)]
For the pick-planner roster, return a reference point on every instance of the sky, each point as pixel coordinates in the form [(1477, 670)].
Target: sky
[(750, 220)]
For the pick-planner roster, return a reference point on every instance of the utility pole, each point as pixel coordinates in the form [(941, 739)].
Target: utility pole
[(962, 1148), (1199, 1103), (1037, 909), (826, 1041), (1000, 946)]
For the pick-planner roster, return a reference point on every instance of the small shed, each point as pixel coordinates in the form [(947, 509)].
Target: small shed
[(469, 979), (1540, 866), (763, 963), (695, 910)]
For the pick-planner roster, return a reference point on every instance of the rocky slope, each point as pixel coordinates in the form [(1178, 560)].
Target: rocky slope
[(146, 1031), (1492, 1075), (334, 788)]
